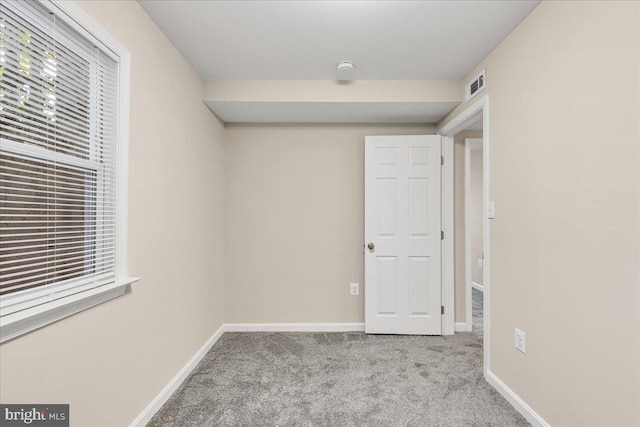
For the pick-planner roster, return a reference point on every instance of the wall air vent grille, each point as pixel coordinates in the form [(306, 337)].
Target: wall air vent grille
[(476, 85)]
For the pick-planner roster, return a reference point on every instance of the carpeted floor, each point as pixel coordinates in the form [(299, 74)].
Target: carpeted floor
[(339, 379), (477, 309)]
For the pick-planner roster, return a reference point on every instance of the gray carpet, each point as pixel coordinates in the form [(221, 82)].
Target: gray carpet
[(339, 379), (477, 309)]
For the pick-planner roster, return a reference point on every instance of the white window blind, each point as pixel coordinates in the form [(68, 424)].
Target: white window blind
[(58, 159)]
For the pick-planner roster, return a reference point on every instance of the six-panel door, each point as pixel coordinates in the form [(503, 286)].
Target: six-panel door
[(402, 225)]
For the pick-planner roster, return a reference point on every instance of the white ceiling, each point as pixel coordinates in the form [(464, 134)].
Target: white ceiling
[(290, 40), (304, 40)]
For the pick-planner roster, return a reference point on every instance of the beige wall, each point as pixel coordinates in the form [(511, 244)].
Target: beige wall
[(564, 92), (110, 361), (296, 220), (333, 91), (565, 266), (459, 226), (475, 214)]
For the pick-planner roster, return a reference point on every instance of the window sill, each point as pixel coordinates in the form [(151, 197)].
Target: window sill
[(15, 324)]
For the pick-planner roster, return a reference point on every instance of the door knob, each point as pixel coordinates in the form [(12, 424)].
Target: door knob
[(371, 246)]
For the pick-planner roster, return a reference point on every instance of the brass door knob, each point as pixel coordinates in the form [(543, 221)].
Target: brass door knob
[(371, 246)]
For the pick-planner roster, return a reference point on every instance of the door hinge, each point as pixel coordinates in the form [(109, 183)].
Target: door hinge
[(441, 160), (442, 309), (442, 235)]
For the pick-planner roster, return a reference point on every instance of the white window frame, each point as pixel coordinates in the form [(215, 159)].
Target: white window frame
[(43, 305)]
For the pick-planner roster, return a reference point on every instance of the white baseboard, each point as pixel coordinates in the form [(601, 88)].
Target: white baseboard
[(461, 327), (515, 401), (294, 327), (477, 286), (175, 382)]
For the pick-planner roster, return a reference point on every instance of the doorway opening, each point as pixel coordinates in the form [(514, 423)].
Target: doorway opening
[(460, 254), (473, 258)]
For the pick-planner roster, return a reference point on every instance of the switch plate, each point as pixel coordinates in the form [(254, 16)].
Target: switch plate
[(491, 210), (520, 340), (355, 288), (479, 262)]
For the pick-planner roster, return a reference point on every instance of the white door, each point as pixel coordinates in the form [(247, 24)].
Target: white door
[(402, 235)]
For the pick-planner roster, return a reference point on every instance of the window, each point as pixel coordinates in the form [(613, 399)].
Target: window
[(62, 150)]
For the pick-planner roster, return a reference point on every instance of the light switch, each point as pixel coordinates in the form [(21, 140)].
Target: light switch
[(491, 210)]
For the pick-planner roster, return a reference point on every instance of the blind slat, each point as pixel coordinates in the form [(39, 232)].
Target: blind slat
[(54, 265), (59, 243), (71, 255)]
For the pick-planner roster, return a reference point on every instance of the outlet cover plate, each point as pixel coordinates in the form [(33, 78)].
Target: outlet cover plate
[(354, 288)]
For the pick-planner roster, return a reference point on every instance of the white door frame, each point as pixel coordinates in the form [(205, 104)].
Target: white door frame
[(458, 123), (447, 248), (469, 144)]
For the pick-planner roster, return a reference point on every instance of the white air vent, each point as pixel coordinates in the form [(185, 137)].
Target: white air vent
[(475, 86)]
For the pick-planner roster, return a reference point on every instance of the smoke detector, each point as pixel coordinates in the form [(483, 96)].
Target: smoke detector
[(345, 68)]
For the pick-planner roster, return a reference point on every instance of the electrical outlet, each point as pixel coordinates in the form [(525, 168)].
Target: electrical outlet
[(520, 340), (355, 289)]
